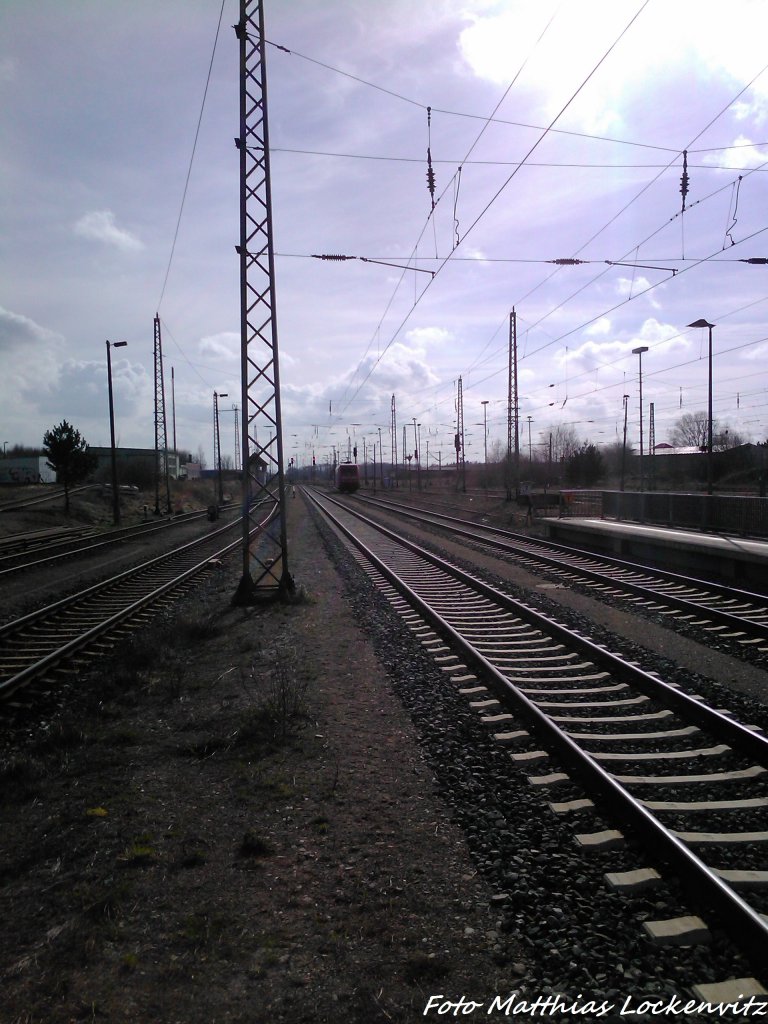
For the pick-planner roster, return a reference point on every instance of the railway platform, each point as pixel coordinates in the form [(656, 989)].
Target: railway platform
[(739, 561)]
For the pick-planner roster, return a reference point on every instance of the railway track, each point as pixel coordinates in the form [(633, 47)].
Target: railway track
[(42, 550), (725, 613), (51, 495), (687, 781), (23, 543), (63, 636)]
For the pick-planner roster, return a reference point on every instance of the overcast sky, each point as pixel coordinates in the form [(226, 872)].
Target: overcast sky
[(557, 132)]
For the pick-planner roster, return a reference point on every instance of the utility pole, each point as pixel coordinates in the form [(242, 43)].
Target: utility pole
[(217, 443), (393, 432), (161, 432), (624, 443), (639, 353), (484, 404), (173, 408), (113, 449), (651, 443), (513, 410), (265, 560)]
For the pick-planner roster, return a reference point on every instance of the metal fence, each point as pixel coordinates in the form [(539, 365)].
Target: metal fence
[(715, 513)]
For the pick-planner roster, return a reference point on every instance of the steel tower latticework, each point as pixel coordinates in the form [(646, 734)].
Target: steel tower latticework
[(461, 467), (161, 430), (236, 417), (265, 550)]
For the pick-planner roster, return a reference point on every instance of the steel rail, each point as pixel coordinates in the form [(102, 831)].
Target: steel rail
[(718, 615), (749, 929), (66, 650), (41, 613), (12, 506), (78, 643), (83, 545)]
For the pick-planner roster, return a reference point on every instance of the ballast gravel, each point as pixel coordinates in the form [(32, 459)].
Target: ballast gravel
[(582, 937)]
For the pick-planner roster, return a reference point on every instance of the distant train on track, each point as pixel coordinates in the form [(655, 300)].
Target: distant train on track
[(347, 478)]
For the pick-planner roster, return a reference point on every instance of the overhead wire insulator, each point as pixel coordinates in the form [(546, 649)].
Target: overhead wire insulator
[(332, 256), (430, 178), (566, 261), (684, 179), (430, 169)]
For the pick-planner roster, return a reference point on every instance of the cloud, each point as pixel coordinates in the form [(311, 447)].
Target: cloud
[(7, 69), (601, 326), (99, 226), (756, 354), (225, 345), (420, 337), (19, 332), (743, 154), (710, 38)]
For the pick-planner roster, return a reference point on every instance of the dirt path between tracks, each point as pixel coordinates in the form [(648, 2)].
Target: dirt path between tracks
[(234, 823)]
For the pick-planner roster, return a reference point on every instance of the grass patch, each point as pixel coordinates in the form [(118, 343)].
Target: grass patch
[(58, 736), (421, 967), (101, 903), (284, 704), (253, 846), (190, 630), (202, 930), (138, 854), (19, 777)]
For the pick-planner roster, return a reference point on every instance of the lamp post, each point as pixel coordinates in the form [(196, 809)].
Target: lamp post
[(113, 453), (416, 452), (705, 323), (639, 353), (624, 445), (418, 455), (217, 441), (484, 404)]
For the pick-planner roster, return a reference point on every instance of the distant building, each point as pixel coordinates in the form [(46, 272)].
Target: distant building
[(26, 469), (136, 458)]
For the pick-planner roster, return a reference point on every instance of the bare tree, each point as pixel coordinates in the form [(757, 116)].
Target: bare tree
[(727, 438), (565, 442), (690, 431)]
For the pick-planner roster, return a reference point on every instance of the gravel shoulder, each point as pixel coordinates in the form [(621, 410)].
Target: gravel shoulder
[(234, 822)]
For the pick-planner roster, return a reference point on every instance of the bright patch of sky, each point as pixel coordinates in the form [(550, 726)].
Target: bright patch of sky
[(594, 103)]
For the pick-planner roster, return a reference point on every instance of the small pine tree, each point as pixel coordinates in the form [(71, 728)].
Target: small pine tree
[(66, 451)]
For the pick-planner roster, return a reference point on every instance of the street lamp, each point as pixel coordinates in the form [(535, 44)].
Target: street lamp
[(217, 440), (624, 445), (418, 455), (705, 323), (484, 404), (113, 453), (639, 353)]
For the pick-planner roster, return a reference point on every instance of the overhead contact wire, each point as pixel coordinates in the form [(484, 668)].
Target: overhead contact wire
[(191, 159)]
